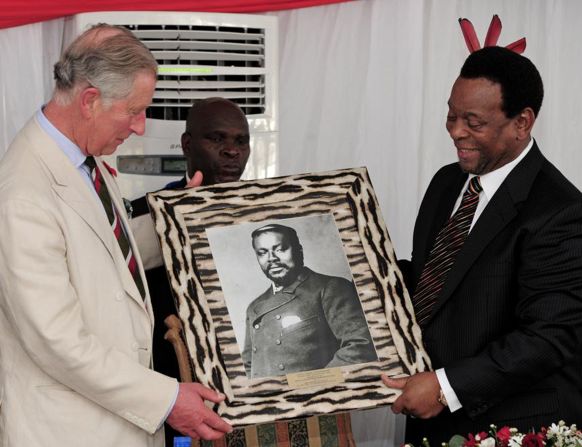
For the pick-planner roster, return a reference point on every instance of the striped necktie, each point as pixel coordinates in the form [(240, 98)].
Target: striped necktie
[(115, 222), (447, 245)]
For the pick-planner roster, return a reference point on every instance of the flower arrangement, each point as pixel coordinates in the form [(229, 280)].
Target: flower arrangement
[(556, 435)]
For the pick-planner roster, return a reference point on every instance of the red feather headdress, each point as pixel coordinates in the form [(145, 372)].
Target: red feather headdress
[(492, 36)]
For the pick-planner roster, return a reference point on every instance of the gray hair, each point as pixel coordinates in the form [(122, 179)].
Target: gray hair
[(106, 57)]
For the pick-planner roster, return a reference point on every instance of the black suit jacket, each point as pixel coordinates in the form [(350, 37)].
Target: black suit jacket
[(507, 324), (328, 327)]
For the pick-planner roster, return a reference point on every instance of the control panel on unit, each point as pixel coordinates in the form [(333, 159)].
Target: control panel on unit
[(152, 164)]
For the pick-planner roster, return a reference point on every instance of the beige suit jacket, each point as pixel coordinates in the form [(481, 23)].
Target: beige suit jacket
[(76, 336)]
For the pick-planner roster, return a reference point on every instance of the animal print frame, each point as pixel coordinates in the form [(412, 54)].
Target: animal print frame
[(184, 218)]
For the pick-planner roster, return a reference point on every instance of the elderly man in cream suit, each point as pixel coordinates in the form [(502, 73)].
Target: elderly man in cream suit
[(76, 329)]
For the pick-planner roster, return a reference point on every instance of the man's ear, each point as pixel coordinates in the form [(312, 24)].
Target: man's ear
[(89, 98), (186, 143), (524, 122), (185, 140)]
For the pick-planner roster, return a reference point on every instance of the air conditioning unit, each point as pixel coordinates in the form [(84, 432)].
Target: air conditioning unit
[(200, 55)]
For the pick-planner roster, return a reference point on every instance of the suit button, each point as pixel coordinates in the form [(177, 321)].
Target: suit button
[(281, 366), (254, 349), (257, 326), (119, 296), (277, 342), (278, 317)]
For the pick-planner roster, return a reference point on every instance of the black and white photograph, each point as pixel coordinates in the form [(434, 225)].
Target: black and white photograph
[(290, 295), (308, 259)]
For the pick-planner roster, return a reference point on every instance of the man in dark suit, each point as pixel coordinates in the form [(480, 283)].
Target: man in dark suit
[(215, 143), (503, 325), (304, 320)]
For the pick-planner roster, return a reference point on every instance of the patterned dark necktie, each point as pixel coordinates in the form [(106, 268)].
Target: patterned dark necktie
[(115, 223), (447, 245)]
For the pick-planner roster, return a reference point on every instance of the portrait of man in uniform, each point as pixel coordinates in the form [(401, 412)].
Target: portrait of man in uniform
[(304, 320)]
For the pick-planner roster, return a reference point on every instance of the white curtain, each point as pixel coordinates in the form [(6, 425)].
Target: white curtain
[(27, 55), (366, 83)]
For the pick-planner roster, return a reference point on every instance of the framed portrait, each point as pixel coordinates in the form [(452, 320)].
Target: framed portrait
[(289, 294)]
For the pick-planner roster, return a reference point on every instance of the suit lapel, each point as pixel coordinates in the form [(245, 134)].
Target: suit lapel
[(286, 296), (92, 215), (502, 209), (69, 185), (498, 213), (71, 188), (128, 281)]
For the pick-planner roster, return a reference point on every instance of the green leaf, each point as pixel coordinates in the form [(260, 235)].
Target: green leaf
[(457, 441)]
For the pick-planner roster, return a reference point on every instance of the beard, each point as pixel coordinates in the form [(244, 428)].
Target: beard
[(281, 274)]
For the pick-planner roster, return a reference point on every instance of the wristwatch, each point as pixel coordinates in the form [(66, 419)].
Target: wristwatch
[(442, 399)]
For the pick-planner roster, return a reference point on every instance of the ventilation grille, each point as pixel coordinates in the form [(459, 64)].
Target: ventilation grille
[(197, 62)]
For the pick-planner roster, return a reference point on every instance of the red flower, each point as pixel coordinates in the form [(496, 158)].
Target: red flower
[(533, 440), (474, 440), (503, 435), (111, 170)]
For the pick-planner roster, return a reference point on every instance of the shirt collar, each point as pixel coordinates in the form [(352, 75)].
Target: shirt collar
[(491, 181), (70, 149)]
